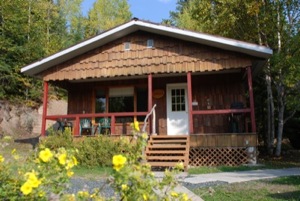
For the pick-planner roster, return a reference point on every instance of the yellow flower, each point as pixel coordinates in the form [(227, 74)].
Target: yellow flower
[(179, 166), (32, 179), (145, 197), (83, 194), (62, 158), (70, 197), (1, 158), (136, 126), (41, 194), (13, 151), (26, 188), (74, 160), (145, 136), (45, 155), (118, 162), (185, 197), (124, 187), (174, 194), (70, 173)]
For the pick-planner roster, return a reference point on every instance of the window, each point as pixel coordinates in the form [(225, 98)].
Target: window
[(100, 101), (127, 46), (142, 102), (178, 100), (121, 100), (150, 43)]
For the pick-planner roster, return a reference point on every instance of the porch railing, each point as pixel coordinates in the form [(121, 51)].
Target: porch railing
[(75, 119)]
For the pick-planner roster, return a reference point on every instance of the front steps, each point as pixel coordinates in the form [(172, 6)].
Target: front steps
[(168, 150)]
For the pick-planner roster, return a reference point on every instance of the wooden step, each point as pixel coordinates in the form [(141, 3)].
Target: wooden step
[(163, 164), (166, 158), (164, 152), (162, 141), (167, 151)]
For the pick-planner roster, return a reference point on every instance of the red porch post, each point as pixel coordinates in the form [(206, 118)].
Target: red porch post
[(149, 97), (190, 108), (45, 101), (76, 126), (253, 124)]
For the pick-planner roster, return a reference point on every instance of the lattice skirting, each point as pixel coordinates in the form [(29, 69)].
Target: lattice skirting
[(200, 156)]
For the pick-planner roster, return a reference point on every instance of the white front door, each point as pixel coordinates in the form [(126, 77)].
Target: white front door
[(177, 109)]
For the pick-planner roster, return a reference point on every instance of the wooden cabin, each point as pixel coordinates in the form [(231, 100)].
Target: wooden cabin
[(201, 85)]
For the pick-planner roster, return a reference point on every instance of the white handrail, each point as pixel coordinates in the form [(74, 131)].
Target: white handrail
[(153, 120)]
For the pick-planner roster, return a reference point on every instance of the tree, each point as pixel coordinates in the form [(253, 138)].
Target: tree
[(106, 14), (274, 23), (30, 30)]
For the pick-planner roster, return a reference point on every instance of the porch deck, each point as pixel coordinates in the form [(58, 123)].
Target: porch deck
[(213, 149)]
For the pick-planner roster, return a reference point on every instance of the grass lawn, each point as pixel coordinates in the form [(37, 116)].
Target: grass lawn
[(284, 188)]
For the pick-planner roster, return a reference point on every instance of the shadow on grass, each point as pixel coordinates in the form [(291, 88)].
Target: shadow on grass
[(33, 141), (293, 195)]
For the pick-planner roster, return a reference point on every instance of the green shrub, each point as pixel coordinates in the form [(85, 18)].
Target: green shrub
[(58, 139), (98, 151)]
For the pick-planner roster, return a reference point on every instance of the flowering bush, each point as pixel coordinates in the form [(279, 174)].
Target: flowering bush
[(134, 180), (45, 176), (41, 177)]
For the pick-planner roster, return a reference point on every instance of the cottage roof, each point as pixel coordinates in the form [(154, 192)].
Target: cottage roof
[(136, 25)]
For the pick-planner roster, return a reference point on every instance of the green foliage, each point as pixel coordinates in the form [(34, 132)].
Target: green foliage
[(45, 176), (271, 23), (106, 14), (98, 151), (133, 178), (58, 139), (39, 178)]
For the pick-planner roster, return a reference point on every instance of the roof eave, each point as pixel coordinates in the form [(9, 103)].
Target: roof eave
[(134, 25)]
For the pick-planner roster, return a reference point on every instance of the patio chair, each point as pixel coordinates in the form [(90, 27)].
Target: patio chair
[(104, 126), (86, 127)]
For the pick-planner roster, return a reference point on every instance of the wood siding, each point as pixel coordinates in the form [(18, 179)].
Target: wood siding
[(221, 89), (169, 55)]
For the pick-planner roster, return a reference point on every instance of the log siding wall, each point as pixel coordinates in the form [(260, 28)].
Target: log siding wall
[(169, 55)]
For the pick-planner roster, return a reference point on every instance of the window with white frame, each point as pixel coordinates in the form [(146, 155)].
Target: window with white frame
[(150, 43)]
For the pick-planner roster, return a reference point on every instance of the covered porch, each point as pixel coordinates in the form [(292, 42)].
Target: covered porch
[(218, 106)]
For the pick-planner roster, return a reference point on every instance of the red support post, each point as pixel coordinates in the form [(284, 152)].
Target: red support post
[(113, 125), (45, 101), (253, 124), (190, 107), (150, 104), (76, 126), (149, 92)]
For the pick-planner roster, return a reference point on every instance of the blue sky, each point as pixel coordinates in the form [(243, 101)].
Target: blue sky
[(152, 10)]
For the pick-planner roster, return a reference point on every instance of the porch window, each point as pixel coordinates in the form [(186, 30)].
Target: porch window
[(178, 100), (100, 101), (121, 100), (142, 102)]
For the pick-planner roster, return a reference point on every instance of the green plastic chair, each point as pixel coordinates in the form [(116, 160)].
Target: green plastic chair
[(104, 125)]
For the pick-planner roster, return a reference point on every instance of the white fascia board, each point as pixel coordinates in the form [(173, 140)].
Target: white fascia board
[(211, 40), (76, 50)]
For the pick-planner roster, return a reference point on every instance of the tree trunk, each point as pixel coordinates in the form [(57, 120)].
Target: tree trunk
[(281, 108), (271, 123)]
